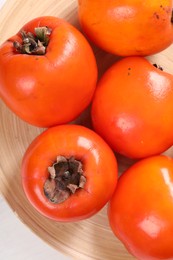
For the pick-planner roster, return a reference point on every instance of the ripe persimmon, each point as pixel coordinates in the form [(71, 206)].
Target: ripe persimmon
[(69, 173), (48, 72), (132, 108), (128, 27)]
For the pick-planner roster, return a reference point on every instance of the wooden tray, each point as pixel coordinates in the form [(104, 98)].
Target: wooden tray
[(89, 239)]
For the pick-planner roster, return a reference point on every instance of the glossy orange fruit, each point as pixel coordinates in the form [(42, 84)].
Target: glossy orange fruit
[(128, 27), (141, 209), (69, 173), (48, 72), (133, 108)]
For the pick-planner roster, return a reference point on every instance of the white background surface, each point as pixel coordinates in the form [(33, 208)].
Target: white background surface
[(17, 242)]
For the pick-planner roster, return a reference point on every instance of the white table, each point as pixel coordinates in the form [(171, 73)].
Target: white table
[(17, 242)]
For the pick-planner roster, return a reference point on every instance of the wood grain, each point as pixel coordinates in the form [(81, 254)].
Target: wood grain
[(89, 239)]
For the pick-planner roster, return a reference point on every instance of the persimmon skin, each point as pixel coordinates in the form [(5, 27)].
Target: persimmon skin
[(99, 168), (128, 27), (141, 209), (50, 89), (132, 108)]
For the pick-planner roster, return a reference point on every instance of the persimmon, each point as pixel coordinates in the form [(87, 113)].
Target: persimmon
[(48, 72), (133, 106), (69, 173), (141, 210), (128, 27)]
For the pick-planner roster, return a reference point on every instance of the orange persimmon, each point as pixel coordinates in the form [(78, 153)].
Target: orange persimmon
[(48, 72), (128, 27)]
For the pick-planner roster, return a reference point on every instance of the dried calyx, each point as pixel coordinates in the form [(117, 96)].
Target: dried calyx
[(158, 66), (66, 177), (34, 44)]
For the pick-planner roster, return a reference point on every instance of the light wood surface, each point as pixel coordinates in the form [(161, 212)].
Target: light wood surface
[(17, 240), (86, 240)]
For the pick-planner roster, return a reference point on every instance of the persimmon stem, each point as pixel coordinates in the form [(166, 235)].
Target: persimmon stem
[(65, 178), (34, 43)]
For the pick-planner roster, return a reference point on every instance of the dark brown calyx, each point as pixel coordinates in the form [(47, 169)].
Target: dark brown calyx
[(34, 44), (158, 66), (66, 177), (172, 17)]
